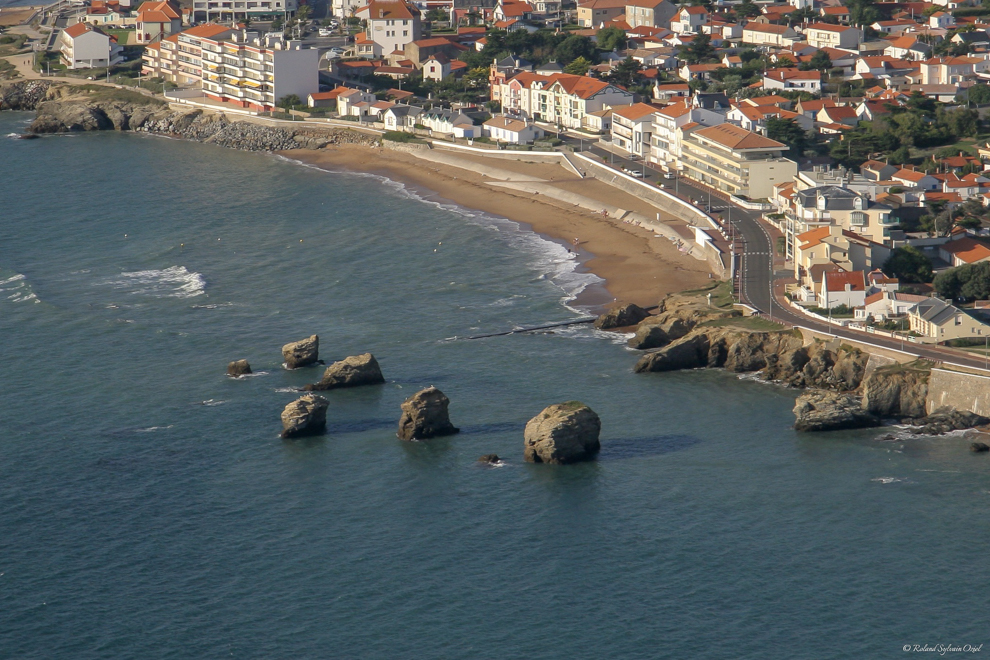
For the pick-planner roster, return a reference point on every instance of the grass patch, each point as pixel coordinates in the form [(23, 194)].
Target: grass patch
[(123, 36), (7, 70), (10, 44), (721, 291), (920, 366), (102, 93), (754, 323), (399, 136)]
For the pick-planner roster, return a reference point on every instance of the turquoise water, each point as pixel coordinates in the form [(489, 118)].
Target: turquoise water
[(148, 508)]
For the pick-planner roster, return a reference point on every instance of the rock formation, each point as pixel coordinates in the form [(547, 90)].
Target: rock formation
[(301, 353), (830, 411), (562, 433), (945, 420), (491, 459), (238, 368), (979, 447), (424, 415), (621, 316), (350, 372), (897, 390), (306, 415)]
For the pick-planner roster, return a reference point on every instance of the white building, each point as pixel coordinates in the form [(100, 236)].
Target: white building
[(391, 25), (826, 35), (561, 98), (83, 46), (632, 126), (513, 131)]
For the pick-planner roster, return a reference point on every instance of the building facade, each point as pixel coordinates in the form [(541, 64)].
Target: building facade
[(735, 161)]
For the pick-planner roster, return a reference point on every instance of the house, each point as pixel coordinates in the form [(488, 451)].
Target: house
[(963, 251), (512, 10), (789, 78), (883, 305), (908, 47), (652, 13), (840, 14), (942, 20), (842, 288), (912, 178), (391, 25), (836, 248), (439, 66), (156, 20), (594, 13), (838, 115), (691, 72), (689, 20), (326, 99), (734, 160), (936, 321), (951, 70), (83, 46), (513, 131), (401, 117), (895, 27), (877, 171), (754, 118), (826, 35), (632, 126), (449, 122), (766, 34)]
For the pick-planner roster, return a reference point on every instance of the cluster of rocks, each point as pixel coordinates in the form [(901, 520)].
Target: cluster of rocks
[(65, 108), (686, 333), (23, 95)]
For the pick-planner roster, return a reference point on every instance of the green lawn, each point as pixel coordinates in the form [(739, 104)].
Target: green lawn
[(721, 294), (10, 44), (123, 36), (755, 323)]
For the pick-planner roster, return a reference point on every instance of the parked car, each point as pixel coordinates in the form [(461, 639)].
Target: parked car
[(326, 32)]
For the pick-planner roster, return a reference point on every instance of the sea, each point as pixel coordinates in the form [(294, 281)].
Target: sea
[(149, 509)]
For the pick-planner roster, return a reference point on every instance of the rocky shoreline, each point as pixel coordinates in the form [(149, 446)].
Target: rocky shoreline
[(66, 108), (845, 386)]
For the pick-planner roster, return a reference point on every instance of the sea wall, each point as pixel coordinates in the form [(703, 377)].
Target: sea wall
[(958, 391)]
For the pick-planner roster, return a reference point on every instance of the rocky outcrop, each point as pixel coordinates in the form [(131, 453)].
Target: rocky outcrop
[(896, 391), (352, 371), (23, 95), (649, 335), (621, 316), (490, 459), (425, 415), (301, 353), (238, 368), (306, 415), (979, 447), (945, 420), (562, 433), (830, 411)]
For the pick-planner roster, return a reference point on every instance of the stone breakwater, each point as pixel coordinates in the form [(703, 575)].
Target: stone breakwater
[(63, 108)]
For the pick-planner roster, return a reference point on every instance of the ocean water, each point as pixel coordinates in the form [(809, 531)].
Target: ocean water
[(148, 508)]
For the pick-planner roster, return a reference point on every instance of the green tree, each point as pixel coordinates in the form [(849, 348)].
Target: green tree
[(978, 94), (437, 15), (820, 61), (969, 282), (698, 51), (626, 73), (611, 38), (578, 67), (289, 101), (747, 9), (573, 47), (863, 12), (900, 156), (476, 77), (302, 14), (908, 264), (788, 132)]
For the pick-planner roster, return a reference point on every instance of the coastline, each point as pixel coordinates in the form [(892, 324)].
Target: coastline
[(633, 264)]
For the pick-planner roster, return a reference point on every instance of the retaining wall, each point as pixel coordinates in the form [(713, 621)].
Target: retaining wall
[(959, 391)]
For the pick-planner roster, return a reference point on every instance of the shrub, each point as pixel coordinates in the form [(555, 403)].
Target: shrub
[(399, 136)]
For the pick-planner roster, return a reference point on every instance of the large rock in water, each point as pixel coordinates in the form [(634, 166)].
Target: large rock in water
[(350, 372), (238, 368), (621, 316), (306, 415), (424, 415), (944, 420), (562, 433), (831, 411), (301, 353), (896, 392)]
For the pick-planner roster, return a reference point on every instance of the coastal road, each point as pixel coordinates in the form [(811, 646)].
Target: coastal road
[(756, 273)]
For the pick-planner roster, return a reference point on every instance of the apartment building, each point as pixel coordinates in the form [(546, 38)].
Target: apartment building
[(651, 13), (83, 46), (259, 10), (632, 126), (665, 138), (833, 248), (235, 66), (593, 13), (838, 205), (560, 98), (826, 35), (768, 34), (391, 25), (734, 160)]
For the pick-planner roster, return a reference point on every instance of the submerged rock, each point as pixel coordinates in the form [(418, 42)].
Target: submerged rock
[(562, 433), (621, 316), (831, 411), (238, 368), (306, 415), (424, 415), (491, 459), (350, 372), (301, 353)]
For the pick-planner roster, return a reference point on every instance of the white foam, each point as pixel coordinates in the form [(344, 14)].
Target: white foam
[(152, 429), (286, 389), (886, 480), (557, 263), (173, 282), (17, 287), (212, 402)]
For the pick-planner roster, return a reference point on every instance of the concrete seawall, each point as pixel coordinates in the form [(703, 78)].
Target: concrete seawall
[(959, 391)]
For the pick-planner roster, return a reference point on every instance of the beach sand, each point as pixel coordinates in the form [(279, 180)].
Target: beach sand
[(636, 266)]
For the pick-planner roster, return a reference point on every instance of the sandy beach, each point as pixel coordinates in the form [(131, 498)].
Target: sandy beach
[(636, 265)]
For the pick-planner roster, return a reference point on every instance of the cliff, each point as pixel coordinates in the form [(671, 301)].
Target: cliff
[(63, 108)]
